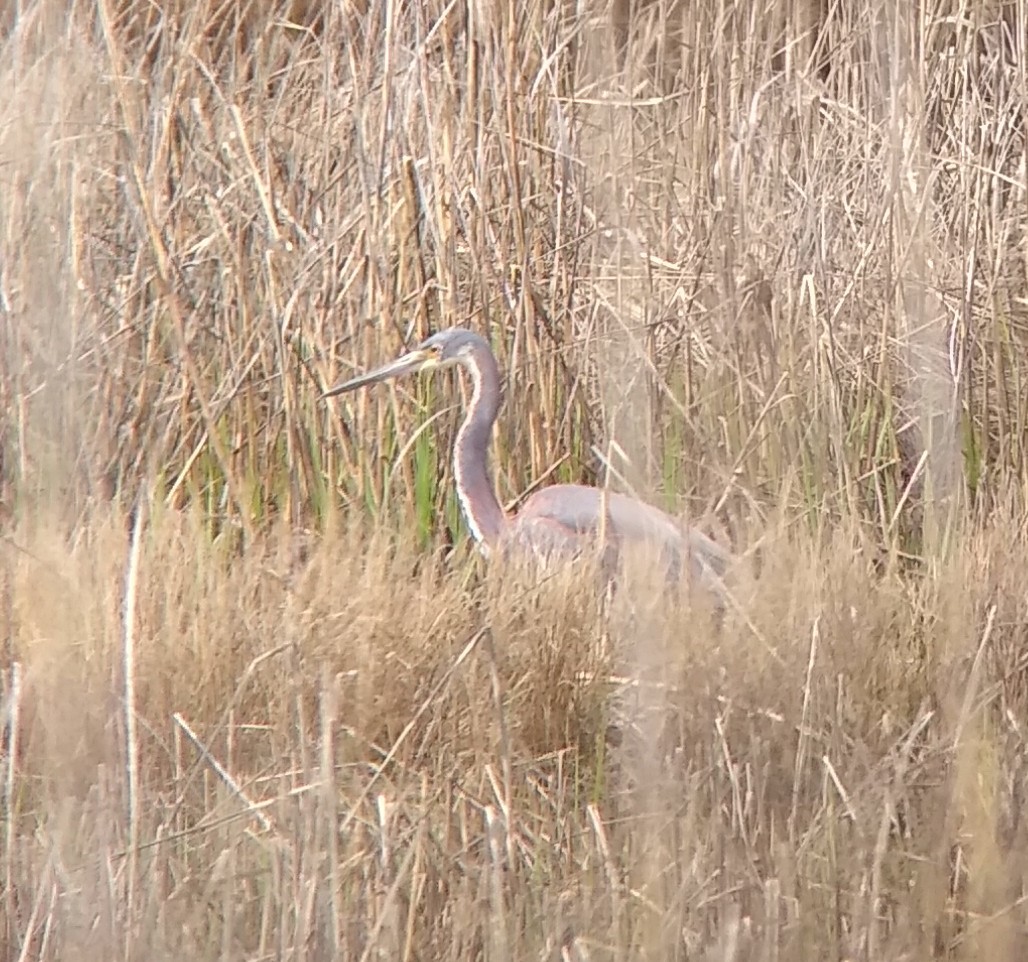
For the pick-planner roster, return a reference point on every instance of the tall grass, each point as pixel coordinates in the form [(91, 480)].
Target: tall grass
[(760, 263)]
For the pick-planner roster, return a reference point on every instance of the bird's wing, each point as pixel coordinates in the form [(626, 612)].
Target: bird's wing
[(542, 535), (546, 540), (573, 509)]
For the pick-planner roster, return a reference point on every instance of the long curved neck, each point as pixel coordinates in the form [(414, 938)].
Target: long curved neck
[(479, 504)]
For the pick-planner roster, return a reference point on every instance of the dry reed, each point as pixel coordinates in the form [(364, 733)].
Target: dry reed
[(760, 262)]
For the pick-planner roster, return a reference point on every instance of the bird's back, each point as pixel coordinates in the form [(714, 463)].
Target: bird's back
[(567, 517)]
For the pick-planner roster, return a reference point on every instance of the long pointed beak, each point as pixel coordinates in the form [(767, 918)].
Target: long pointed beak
[(406, 364)]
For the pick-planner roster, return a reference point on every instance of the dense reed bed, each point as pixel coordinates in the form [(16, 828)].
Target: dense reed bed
[(760, 263)]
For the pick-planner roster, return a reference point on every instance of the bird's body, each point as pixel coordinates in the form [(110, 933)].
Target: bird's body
[(562, 520)]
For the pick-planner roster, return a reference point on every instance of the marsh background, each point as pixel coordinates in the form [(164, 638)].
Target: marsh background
[(760, 262)]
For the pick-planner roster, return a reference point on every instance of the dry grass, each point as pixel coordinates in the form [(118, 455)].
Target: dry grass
[(761, 262)]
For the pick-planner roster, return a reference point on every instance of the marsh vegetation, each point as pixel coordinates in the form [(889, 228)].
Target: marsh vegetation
[(761, 263)]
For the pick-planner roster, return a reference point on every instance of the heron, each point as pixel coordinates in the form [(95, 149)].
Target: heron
[(558, 521)]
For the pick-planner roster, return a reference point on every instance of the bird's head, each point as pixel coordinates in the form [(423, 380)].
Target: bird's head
[(445, 349)]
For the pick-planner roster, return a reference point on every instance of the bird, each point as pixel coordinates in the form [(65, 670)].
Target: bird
[(560, 521)]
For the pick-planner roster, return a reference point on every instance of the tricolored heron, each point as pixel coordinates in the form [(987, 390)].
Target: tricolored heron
[(560, 520)]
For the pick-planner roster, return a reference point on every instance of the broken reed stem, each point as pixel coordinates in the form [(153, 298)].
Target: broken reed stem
[(219, 769), (13, 714), (128, 652)]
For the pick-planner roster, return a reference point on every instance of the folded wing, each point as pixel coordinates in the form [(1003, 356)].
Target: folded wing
[(565, 519)]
